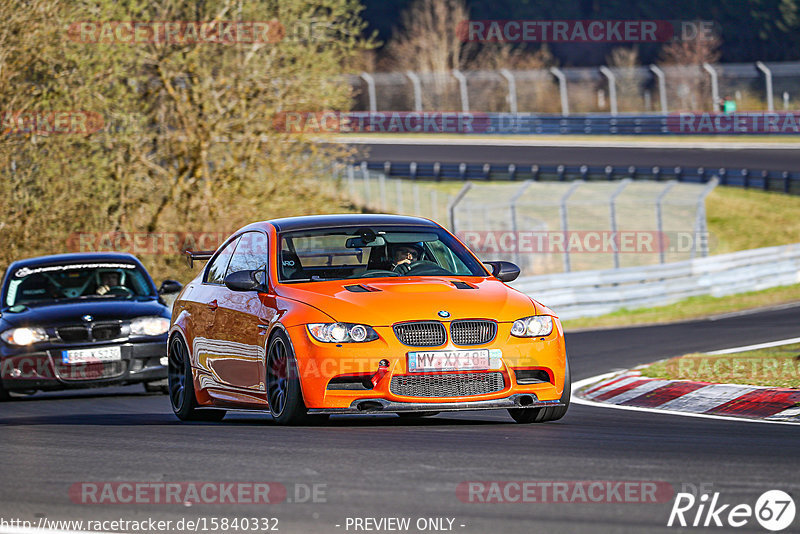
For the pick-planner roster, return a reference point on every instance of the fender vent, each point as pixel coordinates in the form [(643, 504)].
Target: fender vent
[(360, 288), (463, 285)]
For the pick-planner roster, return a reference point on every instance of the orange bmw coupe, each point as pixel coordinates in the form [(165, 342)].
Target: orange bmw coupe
[(360, 314)]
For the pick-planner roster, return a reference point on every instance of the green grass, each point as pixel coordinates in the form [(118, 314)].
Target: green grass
[(691, 308), (775, 367)]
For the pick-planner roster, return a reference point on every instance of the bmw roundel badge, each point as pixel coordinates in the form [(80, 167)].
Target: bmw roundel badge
[(444, 314)]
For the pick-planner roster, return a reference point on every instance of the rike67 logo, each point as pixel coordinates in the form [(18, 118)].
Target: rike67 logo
[(774, 510)]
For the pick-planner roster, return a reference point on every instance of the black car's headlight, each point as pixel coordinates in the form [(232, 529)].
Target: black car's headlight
[(149, 326), (342, 332), (536, 326), (24, 336)]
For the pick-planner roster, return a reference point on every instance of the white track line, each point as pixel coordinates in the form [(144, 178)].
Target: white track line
[(580, 384), (734, 350)]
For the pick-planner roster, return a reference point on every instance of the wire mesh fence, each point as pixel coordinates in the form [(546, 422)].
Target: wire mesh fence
[(552, 227), (640, 89)]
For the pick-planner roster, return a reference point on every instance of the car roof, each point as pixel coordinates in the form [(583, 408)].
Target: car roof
[(76, 257), (312, 222)]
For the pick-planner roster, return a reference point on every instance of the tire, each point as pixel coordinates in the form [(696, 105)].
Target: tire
[(181, 386), (4, 396), (550, 413), (416, 415), (284, 394), (156, 387)]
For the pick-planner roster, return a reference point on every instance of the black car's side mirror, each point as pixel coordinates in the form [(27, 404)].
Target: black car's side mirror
[(169, 287), (505, 271), (243, 281)]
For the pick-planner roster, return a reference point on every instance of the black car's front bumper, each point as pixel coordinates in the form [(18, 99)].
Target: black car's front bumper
[(29, 370)]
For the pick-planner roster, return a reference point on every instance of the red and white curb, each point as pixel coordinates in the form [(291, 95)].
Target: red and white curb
[(630, 390)]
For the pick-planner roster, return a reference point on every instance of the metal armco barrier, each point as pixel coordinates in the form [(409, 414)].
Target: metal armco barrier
[(765, 180), (592, 293)]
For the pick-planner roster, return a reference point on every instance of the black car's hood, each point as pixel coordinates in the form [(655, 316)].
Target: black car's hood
[(74, 311)]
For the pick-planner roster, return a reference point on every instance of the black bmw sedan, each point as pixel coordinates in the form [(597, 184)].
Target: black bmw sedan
[(82, 320)]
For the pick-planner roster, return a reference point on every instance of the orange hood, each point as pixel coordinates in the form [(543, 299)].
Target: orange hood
[(388, 301)]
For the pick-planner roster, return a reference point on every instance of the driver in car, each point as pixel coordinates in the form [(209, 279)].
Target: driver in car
[(402, 258), (108, 279)]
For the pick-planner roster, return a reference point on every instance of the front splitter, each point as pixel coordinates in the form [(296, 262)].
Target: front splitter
[(362, 406)]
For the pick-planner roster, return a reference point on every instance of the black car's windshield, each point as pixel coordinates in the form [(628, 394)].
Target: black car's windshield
[(42, 284), (372, 252)]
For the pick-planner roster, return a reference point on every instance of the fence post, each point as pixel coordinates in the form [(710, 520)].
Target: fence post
[(612, 88), (662, 87), (382, 189), (660, 219), (513, 208), (462, 85), (512, 90), (612, 207), (562, 209), (768, 77), (562, 88), (398, 188), (367, 189), (700, 225), (417, 89), (373, 98), (714, 85), (351, 180), (452, 207)]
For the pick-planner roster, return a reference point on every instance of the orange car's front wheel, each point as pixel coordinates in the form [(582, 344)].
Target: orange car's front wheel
[(284, 395)]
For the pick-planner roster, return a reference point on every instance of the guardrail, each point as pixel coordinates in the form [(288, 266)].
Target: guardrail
[(766, 180), (592, 293)]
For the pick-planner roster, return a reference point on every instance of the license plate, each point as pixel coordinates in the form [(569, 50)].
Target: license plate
[(448, 360), (103, 354)]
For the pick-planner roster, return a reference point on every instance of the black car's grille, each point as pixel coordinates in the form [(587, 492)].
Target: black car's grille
[(421, 334), (472, 332), (90, 371), (447, 385), (89, 332)]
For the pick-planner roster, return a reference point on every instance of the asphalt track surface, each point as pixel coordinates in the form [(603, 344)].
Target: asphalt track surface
[(773, 159), (381, 466)]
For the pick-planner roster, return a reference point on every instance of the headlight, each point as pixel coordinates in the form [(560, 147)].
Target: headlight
[(149, 326), (342, 332), (536, 326), (24, 336)]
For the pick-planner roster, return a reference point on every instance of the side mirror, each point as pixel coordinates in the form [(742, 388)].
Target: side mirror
[(505, 271), (169, 287), (243, 281)]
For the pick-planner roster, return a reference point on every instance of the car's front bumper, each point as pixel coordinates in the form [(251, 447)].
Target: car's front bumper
[(28, 370), (319, 364)]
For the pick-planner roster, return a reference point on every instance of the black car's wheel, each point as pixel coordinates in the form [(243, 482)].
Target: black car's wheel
[(416, 415), (4, 396), (284, 395), (551, 413), (181, 386)]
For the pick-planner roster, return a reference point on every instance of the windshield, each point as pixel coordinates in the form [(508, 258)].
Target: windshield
[(372, 252), (43, 284)]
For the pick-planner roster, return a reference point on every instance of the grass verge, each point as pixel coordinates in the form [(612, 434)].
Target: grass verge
[(774, 367), (691, 308)]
